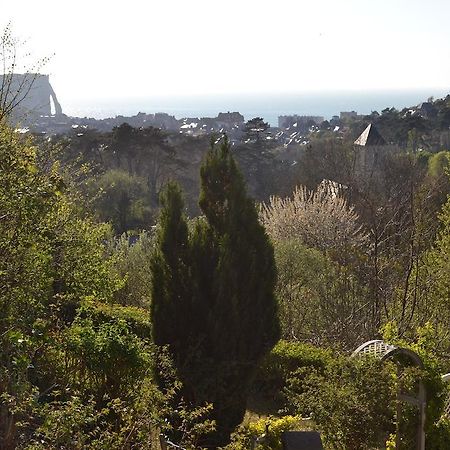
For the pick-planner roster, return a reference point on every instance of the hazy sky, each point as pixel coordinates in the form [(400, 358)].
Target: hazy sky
[(121, 49)]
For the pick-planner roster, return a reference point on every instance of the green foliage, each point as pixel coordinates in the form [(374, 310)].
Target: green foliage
[(123, 199), (74, 423), (351, 401), (106, 357), (134, 421), (75, 370), (432, 278), (212, 295), (186, 422), (424, 344), (285, 358), (137, 319), (255, 128), (438, 164), (318, 298), (131, 264), (170, 290), (245, 270), (345, 397), (265, 433), (110, 399), (440, 259), (51, 257)]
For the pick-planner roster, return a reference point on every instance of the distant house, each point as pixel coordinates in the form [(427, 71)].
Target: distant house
[(230, 119), (302, 123), (346, 115), (368, 148), (369, 137)]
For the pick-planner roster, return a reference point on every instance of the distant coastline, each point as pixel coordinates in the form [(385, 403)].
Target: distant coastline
[(268, 106)]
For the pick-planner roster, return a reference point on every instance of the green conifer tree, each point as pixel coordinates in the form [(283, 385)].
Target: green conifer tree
[(169, 268), (213, 294)]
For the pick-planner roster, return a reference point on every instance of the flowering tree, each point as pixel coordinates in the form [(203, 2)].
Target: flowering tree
[(321, 219)]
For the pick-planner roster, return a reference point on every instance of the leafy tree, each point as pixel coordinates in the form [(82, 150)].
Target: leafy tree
[(444, 118), (123, 200), (75, 370), (442, 256), (122, 144), (319, 300), (438, 164), (264, 173), (155, 160), (26, 197), (324, 158), (434, 279), (131, 263), (254, 128), (146, 153), (213, 297), (350, 401), (321, 219), (51, 259), (169, 266)]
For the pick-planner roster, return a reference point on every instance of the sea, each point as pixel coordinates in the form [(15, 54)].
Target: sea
[(266, 105)]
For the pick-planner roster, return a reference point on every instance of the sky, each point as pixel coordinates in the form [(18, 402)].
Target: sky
[(114, 49)]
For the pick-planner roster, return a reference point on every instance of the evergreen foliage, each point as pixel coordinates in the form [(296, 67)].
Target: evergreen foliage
[(213, 297)]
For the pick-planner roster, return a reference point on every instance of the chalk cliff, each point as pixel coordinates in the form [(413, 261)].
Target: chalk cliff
[(33, 93)]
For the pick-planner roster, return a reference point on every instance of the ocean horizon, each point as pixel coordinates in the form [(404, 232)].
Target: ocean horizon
[(268, 106)]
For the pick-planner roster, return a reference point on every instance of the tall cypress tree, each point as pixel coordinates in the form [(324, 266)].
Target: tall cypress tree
[(170, 272), (215, 287)]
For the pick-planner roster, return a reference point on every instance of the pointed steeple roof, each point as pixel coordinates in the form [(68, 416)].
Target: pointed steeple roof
[(370, 136)]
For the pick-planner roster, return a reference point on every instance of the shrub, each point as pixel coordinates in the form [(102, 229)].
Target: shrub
[(351, 402), (131, 256), (284, 359), (264, 433), (319, 300)]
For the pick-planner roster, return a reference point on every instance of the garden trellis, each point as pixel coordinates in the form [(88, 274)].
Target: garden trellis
[(401, 356)]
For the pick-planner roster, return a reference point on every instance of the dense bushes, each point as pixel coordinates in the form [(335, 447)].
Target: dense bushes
[(343, 396), (76, 369), (320, 301), (286, 357), (424, 344), (131, 262), (353, 401)]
